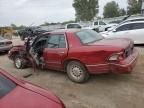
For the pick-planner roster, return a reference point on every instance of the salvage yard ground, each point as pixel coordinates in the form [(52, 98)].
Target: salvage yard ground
[(101, 91)]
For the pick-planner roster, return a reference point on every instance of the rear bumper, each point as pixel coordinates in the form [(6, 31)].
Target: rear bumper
[(124, 66), (127, 65)]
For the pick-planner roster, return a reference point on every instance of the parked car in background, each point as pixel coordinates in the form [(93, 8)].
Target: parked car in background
[(101, 26), (73, 25), (79, 52), (133, 30), (5, 44), (16, 93), (31, 32)]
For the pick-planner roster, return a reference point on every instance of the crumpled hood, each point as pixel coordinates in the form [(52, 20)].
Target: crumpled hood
[(121, 43)]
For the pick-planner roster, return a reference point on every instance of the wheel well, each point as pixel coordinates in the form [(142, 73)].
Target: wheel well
[(14, 54), (67, 61)]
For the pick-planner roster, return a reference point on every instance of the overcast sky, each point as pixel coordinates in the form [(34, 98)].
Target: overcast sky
[(27, 12)]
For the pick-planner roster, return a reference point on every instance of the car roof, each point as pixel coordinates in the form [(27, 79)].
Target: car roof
[(133, 19), (142, 17), (133, 22)]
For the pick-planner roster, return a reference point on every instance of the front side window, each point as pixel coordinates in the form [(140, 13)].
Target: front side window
[(88, 36), (56, 41), (6, 86), (124, 27), (138, 26)]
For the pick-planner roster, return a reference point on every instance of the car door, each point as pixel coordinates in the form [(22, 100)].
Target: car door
[(137, 32), (55, 51)]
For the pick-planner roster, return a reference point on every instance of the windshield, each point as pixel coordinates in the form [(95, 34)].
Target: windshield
[(5, 86), (89, 36)]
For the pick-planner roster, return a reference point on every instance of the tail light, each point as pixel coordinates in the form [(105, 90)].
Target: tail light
[(116, 57)]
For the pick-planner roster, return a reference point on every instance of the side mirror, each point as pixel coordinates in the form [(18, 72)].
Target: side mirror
[(110, 29), (114, 30)]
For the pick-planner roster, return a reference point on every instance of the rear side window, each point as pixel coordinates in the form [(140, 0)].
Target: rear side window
[(57, 41), (138, 26), (6, 86)]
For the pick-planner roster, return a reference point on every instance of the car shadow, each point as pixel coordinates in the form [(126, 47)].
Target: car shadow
[(3, 53), (110, 77), (139, 45), (106, 78)]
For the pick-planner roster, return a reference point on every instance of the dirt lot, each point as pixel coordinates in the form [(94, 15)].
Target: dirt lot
[(101, 91)]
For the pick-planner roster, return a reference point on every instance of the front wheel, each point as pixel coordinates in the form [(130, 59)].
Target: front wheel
[(19, 62), (77, 72)]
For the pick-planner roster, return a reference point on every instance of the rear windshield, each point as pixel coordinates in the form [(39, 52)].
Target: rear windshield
[(89, 36), (6, 86)]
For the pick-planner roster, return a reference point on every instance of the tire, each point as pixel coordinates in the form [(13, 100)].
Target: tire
[(19, 62), (77, 72)]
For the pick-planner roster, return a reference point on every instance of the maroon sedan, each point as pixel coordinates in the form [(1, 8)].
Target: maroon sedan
[(78, 52), (20, 94)]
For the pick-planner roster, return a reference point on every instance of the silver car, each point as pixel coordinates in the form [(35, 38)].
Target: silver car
[(5, 44)]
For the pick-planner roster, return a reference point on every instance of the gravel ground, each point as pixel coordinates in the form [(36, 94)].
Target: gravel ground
[(101, 91)]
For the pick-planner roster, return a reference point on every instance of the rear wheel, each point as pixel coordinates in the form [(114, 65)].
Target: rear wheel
[(77, 72), (19, 62)]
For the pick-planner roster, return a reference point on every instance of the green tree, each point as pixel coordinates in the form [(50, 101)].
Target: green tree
[(122, 12), (13, 26), (111, 9), (134, 7), (86, 10)]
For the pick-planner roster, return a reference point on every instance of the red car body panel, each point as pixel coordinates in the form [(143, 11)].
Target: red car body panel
[(27, 95), (93, 56)]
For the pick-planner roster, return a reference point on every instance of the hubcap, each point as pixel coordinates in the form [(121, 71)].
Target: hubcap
[(76, 71), (18, 62)]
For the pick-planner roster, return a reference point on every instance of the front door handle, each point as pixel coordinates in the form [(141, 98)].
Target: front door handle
[(61, 52)]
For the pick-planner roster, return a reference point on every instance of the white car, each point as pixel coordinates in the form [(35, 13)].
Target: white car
[(133, 30), (5, 44), (73, 25), (99, 26)]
